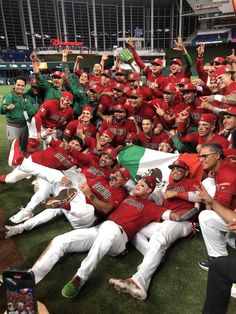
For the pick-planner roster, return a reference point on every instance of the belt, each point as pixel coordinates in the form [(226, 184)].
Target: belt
[(16, 125)]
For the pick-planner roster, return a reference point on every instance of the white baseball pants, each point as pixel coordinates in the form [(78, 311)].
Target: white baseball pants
[(152, 241), (107, 238)]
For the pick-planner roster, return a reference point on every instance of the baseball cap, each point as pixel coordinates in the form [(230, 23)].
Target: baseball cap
[(231, 111), (87, 108), (209, 118), (157, 61), (67, 95), (180, 164), (34, 82), (110, 152), (170, 88), (119, 107), (125, 173), (131, 136), (168, 141), (176, 60), (119, 86), (134, 93), (133, 76), (106, 73), (229, 152), (96, 88), (183, 81), (108, 133), (57, 73), (219, 60), (189, 87), (150, 181), (120, 72), (222, 70)]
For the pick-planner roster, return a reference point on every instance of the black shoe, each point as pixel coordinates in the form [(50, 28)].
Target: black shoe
[(204, 263)]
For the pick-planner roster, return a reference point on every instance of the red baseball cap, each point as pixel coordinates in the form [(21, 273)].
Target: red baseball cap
[(134, 76), (119, 86), (87, 108), (134, 93), (209, 118), (231, 111), (120, 71), (170, 88), (34, 82), (229, 152), (96, 88), (222, 70), (68, 95), (190, 87), (57, 73), (106, 73), (176, 60), (168, 141), (132, 136), (108, 133), (183, 81), (218, 60), (180, 164), (157, 61), (110, 152), (150, 181), (125, 173), (119, 108)]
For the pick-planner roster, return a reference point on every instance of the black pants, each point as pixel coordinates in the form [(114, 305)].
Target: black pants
[(221, 276)]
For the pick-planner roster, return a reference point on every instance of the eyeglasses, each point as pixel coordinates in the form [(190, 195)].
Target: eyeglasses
[(204, 156), (216, 63)]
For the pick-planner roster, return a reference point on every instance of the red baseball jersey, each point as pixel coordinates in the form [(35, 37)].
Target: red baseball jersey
[(72, 126), (135, 213), (50, 115)]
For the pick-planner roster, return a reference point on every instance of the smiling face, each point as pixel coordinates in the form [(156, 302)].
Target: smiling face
[(178, 173), (175, 68), (168, 97), (19, 87), (117, 180), (223, 80), (141, 189), (57, 81), (65, 102), (75, 144), (147, 126), (97, 69), (189, 97), (104, 139), (205, 128), (83, 79), (119, 115), (86, 116), (105, 161), (229, 122), (156, 68)]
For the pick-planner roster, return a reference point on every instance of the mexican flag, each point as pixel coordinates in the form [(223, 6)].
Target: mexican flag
[(144, 161)]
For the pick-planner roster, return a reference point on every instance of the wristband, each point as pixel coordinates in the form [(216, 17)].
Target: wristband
[(218, 97)]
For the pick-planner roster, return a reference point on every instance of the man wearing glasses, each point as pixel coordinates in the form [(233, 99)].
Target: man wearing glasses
[(213, 227)]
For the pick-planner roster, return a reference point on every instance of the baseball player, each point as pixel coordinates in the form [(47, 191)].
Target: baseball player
[(110, 237), (177, 223), (93, 199)]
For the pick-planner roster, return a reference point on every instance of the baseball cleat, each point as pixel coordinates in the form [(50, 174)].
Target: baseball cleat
[(21, 216), (233, 290), (128, 286), (15, 156), (72, 288), (204, 263), (65, 196), (13, 230)]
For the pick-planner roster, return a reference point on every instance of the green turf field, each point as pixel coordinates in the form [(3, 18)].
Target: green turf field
[(178, 287)]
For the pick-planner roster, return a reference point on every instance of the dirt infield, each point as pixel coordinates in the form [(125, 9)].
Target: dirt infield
[(9, 254)]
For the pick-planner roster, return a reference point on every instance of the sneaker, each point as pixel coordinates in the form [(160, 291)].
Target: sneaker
[(15, 156), (65, 196), (128, 286), (204, 263), (72, 288), (22, 215), (233, 290), (13, 230)]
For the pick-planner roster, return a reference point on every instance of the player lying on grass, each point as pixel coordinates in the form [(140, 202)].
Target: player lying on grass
[(90, 202), (153, 240)]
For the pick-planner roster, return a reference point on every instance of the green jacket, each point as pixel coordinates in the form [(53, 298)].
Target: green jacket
[(49, 90), (35, 101), (21, 103)]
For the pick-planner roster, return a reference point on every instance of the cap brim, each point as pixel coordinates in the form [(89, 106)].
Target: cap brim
[(173, 166), (224, 113)]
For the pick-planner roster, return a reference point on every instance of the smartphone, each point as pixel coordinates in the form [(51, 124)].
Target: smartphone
[(19, 289)]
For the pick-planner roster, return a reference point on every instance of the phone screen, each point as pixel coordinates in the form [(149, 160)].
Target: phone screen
[(19, 293)]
